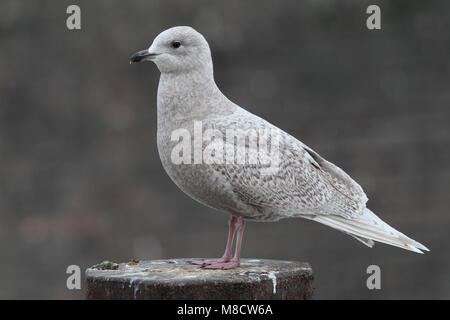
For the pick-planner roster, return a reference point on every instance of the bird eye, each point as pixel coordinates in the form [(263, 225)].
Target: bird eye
[(176, 44)]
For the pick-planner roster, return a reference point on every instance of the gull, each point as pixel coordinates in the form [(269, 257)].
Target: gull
[(300, 184)]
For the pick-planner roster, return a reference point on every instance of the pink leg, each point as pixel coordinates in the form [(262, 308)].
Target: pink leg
[(227, 255), (235, 262)]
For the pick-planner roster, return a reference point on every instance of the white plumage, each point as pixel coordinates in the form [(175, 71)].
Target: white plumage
[(304, 185)]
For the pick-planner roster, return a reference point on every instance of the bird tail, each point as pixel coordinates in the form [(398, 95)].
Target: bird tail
[(368, 228)]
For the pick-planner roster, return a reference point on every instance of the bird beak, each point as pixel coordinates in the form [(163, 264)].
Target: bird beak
[(142, 55)]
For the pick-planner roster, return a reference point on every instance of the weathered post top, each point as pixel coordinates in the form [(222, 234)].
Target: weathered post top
[(178, 279)]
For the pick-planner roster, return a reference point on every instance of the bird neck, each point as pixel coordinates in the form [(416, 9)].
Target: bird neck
[(188, 80), (187, 95)]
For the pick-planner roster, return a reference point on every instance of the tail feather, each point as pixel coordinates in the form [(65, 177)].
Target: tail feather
[(368, 228), (367, 242)]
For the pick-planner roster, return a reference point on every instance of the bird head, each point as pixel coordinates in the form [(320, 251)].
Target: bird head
[(177, 50)]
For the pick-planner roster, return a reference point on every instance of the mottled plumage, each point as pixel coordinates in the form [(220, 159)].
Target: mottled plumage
[(305, 185)]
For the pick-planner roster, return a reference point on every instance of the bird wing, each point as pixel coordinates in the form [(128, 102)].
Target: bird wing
[(302, 184)]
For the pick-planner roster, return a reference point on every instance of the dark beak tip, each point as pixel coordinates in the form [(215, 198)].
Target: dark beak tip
[(135, 57), (141, 55)]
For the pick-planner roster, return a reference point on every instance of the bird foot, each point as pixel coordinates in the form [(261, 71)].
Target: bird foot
[(205, 262), (223, 265)]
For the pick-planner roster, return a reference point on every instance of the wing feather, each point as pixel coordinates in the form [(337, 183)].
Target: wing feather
[(304, 182)]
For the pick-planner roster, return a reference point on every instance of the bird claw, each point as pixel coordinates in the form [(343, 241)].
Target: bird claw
[(222, 265), (205, 262)]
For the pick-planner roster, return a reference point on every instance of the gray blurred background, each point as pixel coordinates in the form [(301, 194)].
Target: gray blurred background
[(81, 179)]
